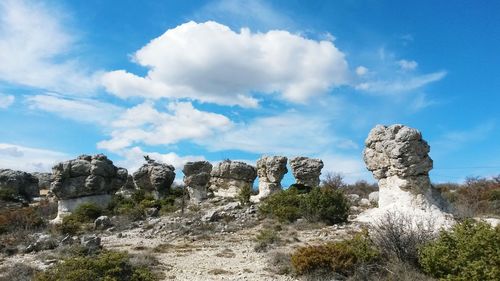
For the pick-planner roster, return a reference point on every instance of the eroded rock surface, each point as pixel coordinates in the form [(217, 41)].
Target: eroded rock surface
[(85, 179), (398, 158), (270, 170), (18, 184), (155, 177), (44, 180), (229, 177), (197, 179), (306, 171)]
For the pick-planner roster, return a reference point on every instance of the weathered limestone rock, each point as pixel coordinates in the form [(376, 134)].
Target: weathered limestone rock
[(398, 158), (270, 170), (19, 184), (197, 179), (155, 177), (229, 177), (44, 179), (306, 171), (85, 179)]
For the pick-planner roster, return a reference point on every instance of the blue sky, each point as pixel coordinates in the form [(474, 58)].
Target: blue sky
[(189, 80)]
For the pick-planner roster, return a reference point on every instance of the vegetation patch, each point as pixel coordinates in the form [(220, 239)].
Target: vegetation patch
[(319, 205), (336, 257), (108, 266), (469, 251)]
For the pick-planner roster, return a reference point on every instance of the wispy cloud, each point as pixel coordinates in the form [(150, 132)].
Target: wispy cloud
[(400, 85), (257, 14), (29, 159), (35, 44), (6, 101)]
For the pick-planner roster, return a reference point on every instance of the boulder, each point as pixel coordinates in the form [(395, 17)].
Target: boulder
[(88, 178), (270, 170), (44, 242), (18, 184), (229, 177), (91, 243), (102, 222), (306, 171), (398, 158), (373, 197), (155, 178), (197, 179)]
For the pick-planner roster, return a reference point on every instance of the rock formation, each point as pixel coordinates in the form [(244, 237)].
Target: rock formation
[(44, 179), (270, 170), (18, 184), (398, 158), (197, 179), (306, 171), (85, 179), (229, 177), (154, 177)]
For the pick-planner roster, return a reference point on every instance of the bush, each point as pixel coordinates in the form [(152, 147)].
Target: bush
[(325, 205), (265, 238), (108, 266), (87, 212), (244, 195), (399, 237), (18, 272), (23, 219), (469, 251), (321, 204), (335, 257)]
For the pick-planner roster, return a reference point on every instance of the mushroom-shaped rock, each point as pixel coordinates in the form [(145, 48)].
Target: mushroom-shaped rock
[(197, 179), (398, 158), (44, 180), (155, 177), (306, 171), (270, 170), (229, 177), (19, 184), (85, 179)]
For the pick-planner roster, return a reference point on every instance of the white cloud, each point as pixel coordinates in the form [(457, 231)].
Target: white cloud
[(28, 159), (6, 101), (145, 124), (361, 70), (211, 63), (134, 158), (288, 133), (81, 110), (34, 45), (401, 84), (407, 65)]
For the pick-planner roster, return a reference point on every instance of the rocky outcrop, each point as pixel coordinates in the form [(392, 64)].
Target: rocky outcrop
[(155, 178), (44, 180), (399, 159), (85, 179), (306, 171), (229, 177), (270, 170), (18, 184), (197, 179)]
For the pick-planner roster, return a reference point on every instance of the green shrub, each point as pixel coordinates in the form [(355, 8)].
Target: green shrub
[(319, 205), (469, 251), (325, 205), (106, 266), (244, 195), (265, 238), (87, 212), (336, 257), (283, 205), (9, 194), (70, 225)]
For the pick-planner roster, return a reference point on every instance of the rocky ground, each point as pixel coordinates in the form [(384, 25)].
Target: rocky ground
[(214, 241)]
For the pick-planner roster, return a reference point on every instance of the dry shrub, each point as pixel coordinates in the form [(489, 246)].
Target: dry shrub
[(476, 196), (280, 263), (400, 237), (18, 272), (335, 257)]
